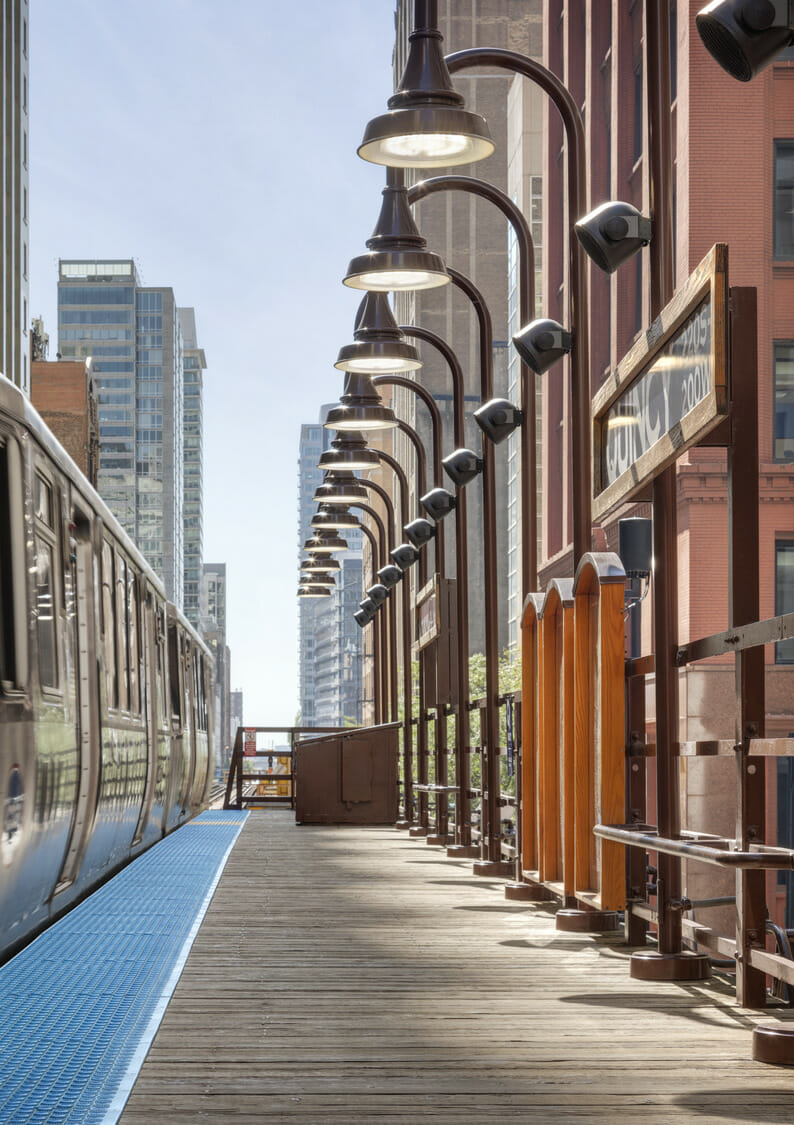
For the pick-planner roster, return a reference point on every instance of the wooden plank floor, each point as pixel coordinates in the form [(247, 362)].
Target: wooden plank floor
[(350, 975)]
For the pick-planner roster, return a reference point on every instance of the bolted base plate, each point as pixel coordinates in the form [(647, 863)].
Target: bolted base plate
[(525, 892), (774, 1045), (493, 867), (417, 830), (647, 965), (587, 921), (463, 851), (437, 841)]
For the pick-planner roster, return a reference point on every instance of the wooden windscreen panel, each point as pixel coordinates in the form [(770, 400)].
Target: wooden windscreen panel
[(600, 726), (529, 731), (550, 869), (356, 772)]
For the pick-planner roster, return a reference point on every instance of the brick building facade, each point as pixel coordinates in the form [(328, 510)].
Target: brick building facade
[(64, 394)]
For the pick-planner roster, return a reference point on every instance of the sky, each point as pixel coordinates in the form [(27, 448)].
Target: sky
[(215, 143)]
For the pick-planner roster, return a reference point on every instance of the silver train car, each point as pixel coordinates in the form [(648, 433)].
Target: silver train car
[(105, 688)]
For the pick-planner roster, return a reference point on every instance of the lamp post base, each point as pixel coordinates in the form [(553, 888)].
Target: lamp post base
[(463, 851), (648, 965), (491, 867), (436, 840), (417, 830), (525, 892), (774, 1045), (587, 921), (403, 825)]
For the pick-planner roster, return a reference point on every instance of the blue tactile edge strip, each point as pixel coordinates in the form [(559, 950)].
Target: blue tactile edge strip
[(79, 1007)]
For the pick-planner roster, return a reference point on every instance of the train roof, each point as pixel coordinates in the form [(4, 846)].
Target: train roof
[(16, 404)]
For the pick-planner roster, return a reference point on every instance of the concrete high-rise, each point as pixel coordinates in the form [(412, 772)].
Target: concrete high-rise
[(14, 238), (194, 364), (329, 641), (135, 338), (213, 627)]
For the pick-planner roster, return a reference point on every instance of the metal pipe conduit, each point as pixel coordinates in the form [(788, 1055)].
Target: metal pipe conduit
[(634, 838)]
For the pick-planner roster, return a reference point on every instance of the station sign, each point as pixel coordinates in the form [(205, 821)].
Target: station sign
[(428, 613), (249, 742), (668, 392)]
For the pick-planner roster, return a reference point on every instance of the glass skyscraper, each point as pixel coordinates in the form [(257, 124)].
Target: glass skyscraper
[(134, 335), (194, 365)]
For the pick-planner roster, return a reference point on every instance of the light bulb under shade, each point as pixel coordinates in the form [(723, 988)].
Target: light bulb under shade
[(333, 519), (334, 492), (319, 564), (313, 592), (426, 137), (364, 459), (360, 418), (377, 357), (325, 541), (396, 271)]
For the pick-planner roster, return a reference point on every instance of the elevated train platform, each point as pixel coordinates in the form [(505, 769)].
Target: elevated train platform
[(325, 974)]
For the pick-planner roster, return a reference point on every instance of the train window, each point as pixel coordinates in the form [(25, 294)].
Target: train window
[(109, 623), (7, 623), (173, 673), (121, 619), (45, 607), (160, 669), (45, 615), (42, 501), (135, 702)]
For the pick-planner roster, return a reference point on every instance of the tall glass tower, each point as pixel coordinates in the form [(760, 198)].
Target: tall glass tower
[(194, 365), (135, 338)]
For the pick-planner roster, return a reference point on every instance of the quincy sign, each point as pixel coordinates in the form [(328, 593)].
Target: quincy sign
[(668, 392)]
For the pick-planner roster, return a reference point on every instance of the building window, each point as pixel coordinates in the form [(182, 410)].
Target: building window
[(784, 401), (784, 594), (784, 199)]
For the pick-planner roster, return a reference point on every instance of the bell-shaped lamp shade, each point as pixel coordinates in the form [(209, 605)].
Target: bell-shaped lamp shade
[(379, 593), (613, 233), (324, 541), (398, 258), (404, 555), (542, 343), (744, 36), (349, 450), (419, 532), (427, 126), (438, 503), (462, 466), (332, 516), (361, 407), (320, 578), (313, 592), (379, 345), (390, 575), (319, 563), (340, 487), (497, 419)]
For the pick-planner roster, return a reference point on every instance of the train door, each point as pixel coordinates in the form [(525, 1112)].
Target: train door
[(149, 711), (87, 710)]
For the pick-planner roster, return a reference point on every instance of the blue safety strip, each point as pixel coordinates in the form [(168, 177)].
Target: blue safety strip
[(79, 1007)]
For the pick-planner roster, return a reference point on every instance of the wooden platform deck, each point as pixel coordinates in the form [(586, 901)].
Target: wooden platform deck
[(354, 975)]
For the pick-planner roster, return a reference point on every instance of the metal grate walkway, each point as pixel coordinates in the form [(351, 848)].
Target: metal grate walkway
[(80, 1006)]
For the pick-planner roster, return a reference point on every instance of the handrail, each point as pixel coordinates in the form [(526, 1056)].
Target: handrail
[(773, 860), (737, 639)]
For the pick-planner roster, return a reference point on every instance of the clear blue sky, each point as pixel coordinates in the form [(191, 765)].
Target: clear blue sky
[(216, 144)]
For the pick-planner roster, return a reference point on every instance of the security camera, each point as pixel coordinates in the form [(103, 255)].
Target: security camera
[(542, 343)]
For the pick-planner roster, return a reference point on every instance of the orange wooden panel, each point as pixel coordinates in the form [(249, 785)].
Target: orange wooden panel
[(529, 740), (567, 742), (611, 743), (548, 788), (583, 745)]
